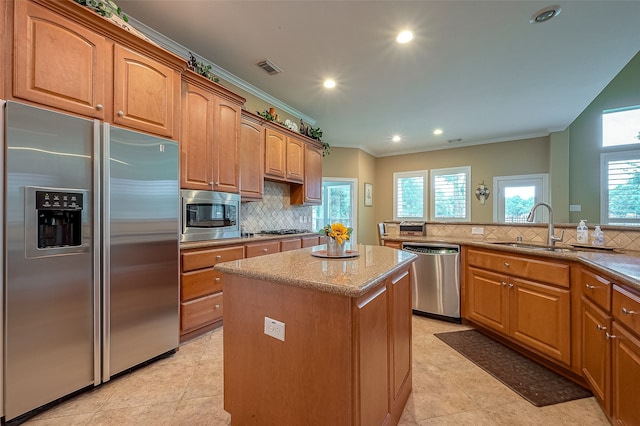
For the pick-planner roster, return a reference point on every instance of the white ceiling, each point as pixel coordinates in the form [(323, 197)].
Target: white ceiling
[(477, 69)]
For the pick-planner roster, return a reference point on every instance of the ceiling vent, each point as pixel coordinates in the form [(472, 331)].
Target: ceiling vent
[(269, 67)]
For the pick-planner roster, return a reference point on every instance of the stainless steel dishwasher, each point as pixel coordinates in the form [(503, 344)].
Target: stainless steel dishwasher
[(435, 289)]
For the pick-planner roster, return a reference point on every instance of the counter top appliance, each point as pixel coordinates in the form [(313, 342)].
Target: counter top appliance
[(413, 228), (91, 237)]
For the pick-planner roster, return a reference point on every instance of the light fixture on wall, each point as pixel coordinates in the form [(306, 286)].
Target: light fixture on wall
[(482, 193)]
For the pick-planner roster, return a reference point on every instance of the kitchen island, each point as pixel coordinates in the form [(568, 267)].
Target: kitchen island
[(338, 350)]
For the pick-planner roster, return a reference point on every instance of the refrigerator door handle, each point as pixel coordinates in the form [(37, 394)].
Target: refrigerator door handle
[(95, 226), (105, 246)]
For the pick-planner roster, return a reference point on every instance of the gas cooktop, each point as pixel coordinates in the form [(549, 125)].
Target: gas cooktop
[(285, 231)]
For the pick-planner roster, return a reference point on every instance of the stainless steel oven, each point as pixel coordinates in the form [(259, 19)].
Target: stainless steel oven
[(208, 215)]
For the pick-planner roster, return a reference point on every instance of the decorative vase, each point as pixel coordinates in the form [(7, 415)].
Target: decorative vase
[(334, 248)]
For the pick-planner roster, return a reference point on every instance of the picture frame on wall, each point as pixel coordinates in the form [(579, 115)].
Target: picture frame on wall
[(368, 194)]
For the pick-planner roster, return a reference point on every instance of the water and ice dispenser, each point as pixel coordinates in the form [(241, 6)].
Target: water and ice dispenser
[(59, 219)]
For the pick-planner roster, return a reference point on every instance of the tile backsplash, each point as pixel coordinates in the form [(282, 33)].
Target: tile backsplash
[(274, 211)]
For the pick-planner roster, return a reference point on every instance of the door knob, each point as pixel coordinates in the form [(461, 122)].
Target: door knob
[(120, 114), (99, 107)]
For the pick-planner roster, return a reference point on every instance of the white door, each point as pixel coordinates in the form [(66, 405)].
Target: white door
[(516, 195), (338, 205)]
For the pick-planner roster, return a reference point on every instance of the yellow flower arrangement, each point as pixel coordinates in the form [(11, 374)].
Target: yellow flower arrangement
[(338, 232)]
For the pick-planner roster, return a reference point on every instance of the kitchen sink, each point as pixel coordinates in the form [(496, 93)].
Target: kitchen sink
[(526, 246)]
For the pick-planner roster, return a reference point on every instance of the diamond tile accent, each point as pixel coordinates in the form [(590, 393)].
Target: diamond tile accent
[(274, 211)]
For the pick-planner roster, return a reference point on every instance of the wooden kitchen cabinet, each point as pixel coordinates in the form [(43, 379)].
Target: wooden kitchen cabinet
[(262, 248), (58, 62), (625, 339), (201, 304), (310, 241), (283, 156), (400, 364), (310, 192), (393, 244), (67, 57), (210, 136), (291, 244), (596, 352), (251, 158), (525, 299), (144, 92)]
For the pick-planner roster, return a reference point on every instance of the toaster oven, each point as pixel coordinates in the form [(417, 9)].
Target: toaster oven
[(413, 228)]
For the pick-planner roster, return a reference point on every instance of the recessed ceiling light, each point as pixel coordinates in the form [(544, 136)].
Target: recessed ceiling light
[(404, 37), (543, 15), (396, 138), (437, 132), (329, 84)]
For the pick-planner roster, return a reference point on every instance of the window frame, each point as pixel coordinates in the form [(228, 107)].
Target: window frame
[(539, 180), (466, 170), (415, 173), (605, 158), (627, 146)]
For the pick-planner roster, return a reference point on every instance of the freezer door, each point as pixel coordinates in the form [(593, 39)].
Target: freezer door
[(141, 234), (49, 292)]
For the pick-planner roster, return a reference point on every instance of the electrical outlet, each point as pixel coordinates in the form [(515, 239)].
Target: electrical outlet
[(274, 328), (575, 207), (477, 230)]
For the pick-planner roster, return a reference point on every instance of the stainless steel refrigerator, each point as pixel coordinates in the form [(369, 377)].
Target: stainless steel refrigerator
[(91, 280)]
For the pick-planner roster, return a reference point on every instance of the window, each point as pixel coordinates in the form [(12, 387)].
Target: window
[(620, 191), (409, 195), (516, 195), (620, 126), (338, 205), (450, 194)]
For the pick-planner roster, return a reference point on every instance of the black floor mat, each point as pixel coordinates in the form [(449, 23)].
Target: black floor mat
[(534, 382)]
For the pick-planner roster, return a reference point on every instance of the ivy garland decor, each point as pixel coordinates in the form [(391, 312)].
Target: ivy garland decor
[(200, 68), (315, 133), (106, 8)]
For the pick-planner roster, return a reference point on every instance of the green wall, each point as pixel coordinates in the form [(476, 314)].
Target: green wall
[(585, 141)]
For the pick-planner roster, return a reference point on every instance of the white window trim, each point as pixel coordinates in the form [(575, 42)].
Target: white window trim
[(354, 204), (416, 173), (604, 181), (448, 171), (545, 192)]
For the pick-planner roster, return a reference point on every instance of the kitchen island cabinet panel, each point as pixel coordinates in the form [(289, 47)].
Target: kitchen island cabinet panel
[(596, 352), (626, 376), (401, 332)]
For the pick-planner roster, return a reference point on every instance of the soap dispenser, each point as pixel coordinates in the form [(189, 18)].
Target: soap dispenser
[(598, 237), (583, 233)]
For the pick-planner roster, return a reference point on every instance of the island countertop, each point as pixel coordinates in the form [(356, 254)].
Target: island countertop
[(344, 276)]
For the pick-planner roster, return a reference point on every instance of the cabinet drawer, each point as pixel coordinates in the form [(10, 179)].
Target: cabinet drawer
[(200, 283), (290, 244), (198, 259), (200, 312), (526, 267), (261, 249), (626, 309), (310, 241), (596, 288)]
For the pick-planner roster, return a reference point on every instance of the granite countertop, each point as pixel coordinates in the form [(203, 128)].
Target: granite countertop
[(621, 266), (350, 277), (256, 238)]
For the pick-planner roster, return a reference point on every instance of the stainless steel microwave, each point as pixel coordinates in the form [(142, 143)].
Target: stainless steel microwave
[(208, 215)]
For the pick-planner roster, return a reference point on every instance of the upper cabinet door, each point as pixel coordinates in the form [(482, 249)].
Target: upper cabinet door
[(144, 92), (58, 62), (275, 154), (251, 159), (313, 175), (196, 144), (295, 160), (226, 135)]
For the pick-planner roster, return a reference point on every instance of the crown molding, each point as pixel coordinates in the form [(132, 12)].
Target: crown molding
[(178, 49)]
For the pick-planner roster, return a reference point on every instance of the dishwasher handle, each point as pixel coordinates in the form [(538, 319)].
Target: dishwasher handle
[(431, 250)]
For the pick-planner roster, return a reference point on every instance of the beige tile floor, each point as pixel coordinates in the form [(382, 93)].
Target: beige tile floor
[(187, 389)]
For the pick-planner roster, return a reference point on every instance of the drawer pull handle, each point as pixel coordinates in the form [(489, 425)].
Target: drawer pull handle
[(506, 264), (625, 311), (600, 327), (265, 250), (510, 285), (216, 307), (609, 336), (503, 284), (217, 279), (99, 107), (120, 114), (589, 287), (218, 257)]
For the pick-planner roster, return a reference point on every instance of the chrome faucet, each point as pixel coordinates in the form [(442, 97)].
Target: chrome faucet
[(551, 238)]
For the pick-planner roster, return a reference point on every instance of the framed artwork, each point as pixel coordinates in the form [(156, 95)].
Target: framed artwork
[(368, 194)]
